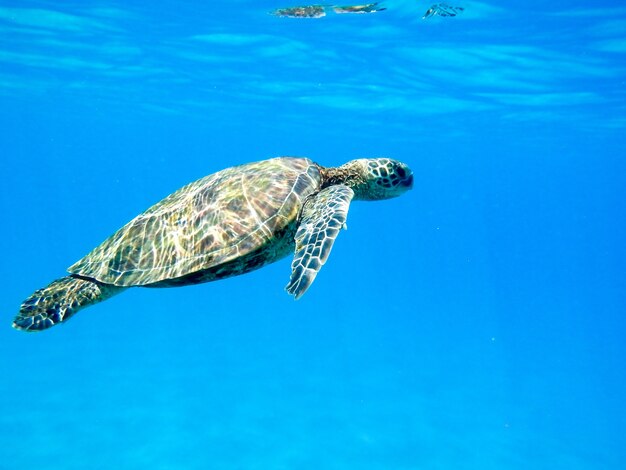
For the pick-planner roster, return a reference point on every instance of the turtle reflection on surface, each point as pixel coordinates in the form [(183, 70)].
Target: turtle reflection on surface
[(369, 8), (318, 11), (442, 9), (310, 11)]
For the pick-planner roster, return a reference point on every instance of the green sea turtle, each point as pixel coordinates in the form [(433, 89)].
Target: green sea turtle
[(228, 223)]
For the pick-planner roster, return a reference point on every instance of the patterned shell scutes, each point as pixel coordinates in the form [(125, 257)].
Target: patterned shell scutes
[(209, 222)]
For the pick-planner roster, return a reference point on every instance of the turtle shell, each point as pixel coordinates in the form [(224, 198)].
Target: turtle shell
[(213, 222)]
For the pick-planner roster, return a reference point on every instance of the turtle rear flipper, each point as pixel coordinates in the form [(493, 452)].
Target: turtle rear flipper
[(59, 301), (323, 216)]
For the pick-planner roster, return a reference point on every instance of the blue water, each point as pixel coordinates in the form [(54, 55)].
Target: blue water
[(477, 322)]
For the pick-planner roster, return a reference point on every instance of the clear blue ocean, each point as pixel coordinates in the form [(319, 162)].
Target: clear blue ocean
[(476, 322)]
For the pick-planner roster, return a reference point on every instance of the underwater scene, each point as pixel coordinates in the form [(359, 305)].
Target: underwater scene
[(465, 161)]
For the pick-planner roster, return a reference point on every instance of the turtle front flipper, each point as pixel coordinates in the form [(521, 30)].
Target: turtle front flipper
[(60, 300), (323, 216)]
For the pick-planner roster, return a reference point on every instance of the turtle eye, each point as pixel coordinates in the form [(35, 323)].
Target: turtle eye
[(401, 172)]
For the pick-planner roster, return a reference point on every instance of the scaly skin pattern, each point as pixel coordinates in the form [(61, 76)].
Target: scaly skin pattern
[(224, 224), (323, 216), (59, 301)]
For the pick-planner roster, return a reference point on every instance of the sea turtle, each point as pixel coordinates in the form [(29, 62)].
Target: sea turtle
[(228, 223)]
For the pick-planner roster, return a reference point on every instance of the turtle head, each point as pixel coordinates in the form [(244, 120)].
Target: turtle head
[(380, 178)]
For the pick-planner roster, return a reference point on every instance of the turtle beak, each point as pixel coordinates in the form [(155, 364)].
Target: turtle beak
[(408, 181), (405, 177)]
